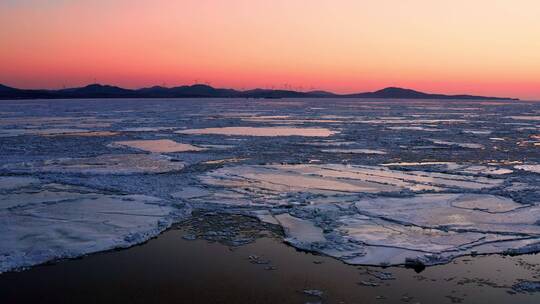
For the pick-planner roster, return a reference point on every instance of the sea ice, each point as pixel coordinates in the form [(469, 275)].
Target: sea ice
[(462, 145), (354, 151), (414, 128), (328, 211), (147, 129), (89, 134), (525, 117), (330, 143), (38, 227), (262, 131), (14, 182), (531, 168), (341, 179), (456, 168), (412, 121), (42, 132), (428, 229), (114, 164), (190, 192), (158, 146), (478, 132), (406, 164), (427, 203), (299, 230)]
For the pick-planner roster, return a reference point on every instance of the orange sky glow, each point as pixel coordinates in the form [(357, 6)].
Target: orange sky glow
[(487, 47)]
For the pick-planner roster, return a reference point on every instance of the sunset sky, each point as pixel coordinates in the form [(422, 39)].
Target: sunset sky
[(488, 47)]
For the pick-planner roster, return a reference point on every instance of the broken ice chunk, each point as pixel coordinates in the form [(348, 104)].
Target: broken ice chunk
[(301, 233), (530, 168), (524, 117), (265, 216), (462, 145)]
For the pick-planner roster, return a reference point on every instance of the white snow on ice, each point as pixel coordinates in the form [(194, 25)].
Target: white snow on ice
[(62, 222)]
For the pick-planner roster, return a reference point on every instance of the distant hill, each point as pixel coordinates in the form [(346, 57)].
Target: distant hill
[(206, 91), (393, 92), (4, 88), (95, 91)]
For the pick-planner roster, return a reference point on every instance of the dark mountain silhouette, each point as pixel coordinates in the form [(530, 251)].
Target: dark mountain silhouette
[(393, 92), (13, 93), (96, 91), (321, 94), (206, 91), (4, 88), (265, 93), (197, 90)]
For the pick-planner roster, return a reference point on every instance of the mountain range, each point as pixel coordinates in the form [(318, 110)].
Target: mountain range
[(206, 91)]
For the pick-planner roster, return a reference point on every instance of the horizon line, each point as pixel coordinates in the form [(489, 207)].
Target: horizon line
[(243, 90)]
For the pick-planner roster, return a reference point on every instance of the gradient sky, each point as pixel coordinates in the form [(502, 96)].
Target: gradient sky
[(489, 47)]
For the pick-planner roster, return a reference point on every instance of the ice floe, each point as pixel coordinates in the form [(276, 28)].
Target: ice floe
[(89, 134), (158, 146), (525, 117), (334, 178), (299, 230), (478, 169), (397, 120), (455, 168), (415, 128), (478, 132), (457, 144), (147, 129), (531, 168), (426, 163), (66, 222), (354, 151), (262, 131)]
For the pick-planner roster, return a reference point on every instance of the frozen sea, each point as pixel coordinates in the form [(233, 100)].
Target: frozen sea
[(379, 183)]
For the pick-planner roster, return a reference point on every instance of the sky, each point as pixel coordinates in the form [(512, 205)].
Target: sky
[(487, 47)]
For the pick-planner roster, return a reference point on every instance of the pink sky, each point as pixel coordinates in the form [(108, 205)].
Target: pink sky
[(478, 47)]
